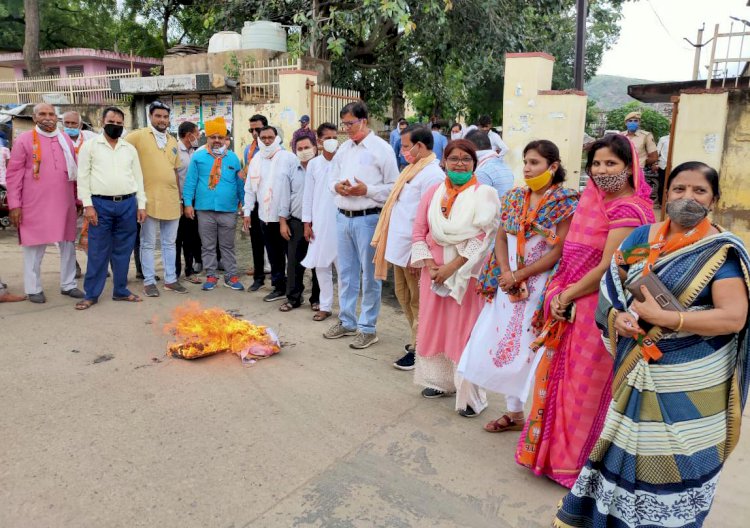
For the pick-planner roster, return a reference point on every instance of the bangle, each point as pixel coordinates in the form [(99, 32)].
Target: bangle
[(682, 322), (512, 274)]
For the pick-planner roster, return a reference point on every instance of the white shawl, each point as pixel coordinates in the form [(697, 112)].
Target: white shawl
[(70, 161), (475, 211)]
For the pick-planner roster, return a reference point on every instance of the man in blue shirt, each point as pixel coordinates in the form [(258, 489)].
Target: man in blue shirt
[(491, 169), (395, 141), (214, 187), (439, 142)]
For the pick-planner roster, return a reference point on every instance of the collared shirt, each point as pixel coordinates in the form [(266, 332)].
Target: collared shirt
[(292, 192), (264, 177), (159, 177), (371, 162), (109, 171), (226, 196), (498, 145), (644, 144), (185, 154), (394, 137), (398, 247), (663, 148), (81, 138), (439, 144), (493, 171)]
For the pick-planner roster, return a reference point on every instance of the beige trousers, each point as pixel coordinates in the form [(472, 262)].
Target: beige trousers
[(407, 293)]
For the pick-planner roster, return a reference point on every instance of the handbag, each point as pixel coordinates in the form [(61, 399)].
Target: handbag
[(487, 282), (658, 290)]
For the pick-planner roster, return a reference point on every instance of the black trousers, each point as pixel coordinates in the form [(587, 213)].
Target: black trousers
[(660, 186), (276, 248), (189, 244), (137, 251), (295, 271), (256, 242)]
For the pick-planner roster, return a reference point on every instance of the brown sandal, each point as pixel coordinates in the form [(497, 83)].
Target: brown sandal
[(85, 304), (315, 307), (321, 316), (288, 307), (130, 298), (497, 426)]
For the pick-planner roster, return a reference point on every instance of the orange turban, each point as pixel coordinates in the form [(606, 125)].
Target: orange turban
[(216, 126)]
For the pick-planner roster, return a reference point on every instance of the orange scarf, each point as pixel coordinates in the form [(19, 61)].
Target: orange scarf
[(78, 148), (660, 246), (37, 154), (527, 220), (452, 192), (215, 174)]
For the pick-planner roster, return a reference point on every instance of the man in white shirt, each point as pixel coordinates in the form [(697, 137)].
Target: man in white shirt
[(662, 148), (266, 172), (363, 173), (110, 185), (393, 235), (498, 145)]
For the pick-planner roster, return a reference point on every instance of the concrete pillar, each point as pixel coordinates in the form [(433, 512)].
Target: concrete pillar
[(700, 128), (532, 111), (294, 98)]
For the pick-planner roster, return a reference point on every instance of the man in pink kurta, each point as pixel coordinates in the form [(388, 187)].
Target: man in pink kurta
[(42, 202)]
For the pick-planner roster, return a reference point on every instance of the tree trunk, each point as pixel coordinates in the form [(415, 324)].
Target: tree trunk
[(31, 39), (398, 103)]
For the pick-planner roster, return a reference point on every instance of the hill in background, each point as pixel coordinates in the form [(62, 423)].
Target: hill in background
[(610, 91)]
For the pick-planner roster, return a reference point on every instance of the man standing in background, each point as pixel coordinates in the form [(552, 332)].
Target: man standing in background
[(643, 140), (304, 130), (188, 239), (257, 123)]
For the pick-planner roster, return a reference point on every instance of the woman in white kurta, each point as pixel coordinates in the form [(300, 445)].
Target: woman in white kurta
[(319, 217), (498, 356)]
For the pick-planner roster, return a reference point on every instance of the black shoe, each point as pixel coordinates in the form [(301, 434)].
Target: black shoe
[(139, 276), (79, 273), (256, 285), (275, 295), (73, 292), (406, 362), (433, 393), (468, 412)]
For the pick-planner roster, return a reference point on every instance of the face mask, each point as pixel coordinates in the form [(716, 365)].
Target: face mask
[(330, 145), (539, 182), (219, 151), (359, 136), (305, 155), (459, 178), (72, 132), (632, 126), (113, 131), (408, 156), (194, 143), (455, 135), (686, 212), (611, 183), (268, 151)]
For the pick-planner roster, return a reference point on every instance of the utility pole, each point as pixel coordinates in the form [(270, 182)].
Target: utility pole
[(579, 66), (698, 48)]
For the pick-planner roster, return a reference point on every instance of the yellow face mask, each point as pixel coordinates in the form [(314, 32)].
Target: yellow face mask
[(539, 182)]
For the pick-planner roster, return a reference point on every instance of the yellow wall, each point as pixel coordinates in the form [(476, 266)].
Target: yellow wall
[(241, 114), (700, 128), (529, 115)]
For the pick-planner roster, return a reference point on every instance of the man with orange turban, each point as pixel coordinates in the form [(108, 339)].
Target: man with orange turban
[(214, 188)]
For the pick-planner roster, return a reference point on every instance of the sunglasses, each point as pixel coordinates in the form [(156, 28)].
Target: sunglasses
[(160, 106)]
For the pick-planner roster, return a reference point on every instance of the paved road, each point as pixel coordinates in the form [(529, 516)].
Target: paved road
[(100, 429)]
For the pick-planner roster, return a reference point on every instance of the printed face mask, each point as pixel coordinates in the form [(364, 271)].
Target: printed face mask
[(330, 145), (611, 183), (686, 212)]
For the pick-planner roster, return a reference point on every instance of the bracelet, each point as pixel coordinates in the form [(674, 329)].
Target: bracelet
[(682, 322), (512, 274)]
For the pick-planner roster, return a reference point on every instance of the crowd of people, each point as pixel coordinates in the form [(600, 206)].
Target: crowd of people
[(627, 335)]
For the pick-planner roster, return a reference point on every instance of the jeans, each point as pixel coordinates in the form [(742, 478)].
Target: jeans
[(355, 256), (111, 240), (168, 235)]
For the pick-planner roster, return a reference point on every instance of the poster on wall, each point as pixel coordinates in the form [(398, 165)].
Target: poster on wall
[(193, 104), (208, 107), (224, 108), (179, 112)]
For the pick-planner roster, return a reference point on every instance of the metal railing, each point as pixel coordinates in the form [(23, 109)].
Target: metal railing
[(327, 101), (728, 62), (259, 79), (73, 89)]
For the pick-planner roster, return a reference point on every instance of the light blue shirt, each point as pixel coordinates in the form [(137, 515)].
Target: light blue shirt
[(440, 142), (227, 194), (494, 171)]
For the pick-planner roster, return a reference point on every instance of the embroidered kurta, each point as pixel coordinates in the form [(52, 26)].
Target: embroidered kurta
[(48, 204), (319, 209)]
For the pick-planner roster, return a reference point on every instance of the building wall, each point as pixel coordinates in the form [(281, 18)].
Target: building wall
[(91, 66), (242, 113), (700, 128), (733, 211)]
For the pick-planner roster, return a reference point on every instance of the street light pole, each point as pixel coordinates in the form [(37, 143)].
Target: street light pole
[(578, 68)]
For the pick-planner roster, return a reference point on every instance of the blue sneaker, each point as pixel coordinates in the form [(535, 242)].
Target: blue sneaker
[(234, 283), (210, 283)]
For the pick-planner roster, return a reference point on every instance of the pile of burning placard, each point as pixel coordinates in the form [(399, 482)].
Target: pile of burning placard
[(203, 332)]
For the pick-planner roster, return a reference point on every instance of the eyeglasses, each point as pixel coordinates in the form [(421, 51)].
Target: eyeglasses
[(460, 161), (159, 105), (349, 124)]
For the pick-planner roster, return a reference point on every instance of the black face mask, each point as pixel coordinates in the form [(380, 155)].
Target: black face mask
[(113, 131)]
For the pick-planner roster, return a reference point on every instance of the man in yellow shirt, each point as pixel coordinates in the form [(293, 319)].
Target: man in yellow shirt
[(159, 158), (643, 140)]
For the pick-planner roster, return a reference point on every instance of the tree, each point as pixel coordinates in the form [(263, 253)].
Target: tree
[(31, 38), (651, 120)]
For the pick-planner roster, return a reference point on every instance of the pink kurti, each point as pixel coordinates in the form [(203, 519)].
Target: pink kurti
[(444, 325), (48, 204)]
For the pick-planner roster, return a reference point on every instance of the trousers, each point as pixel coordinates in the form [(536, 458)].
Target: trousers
[(32, 267)]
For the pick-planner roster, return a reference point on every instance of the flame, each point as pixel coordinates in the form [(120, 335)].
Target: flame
[(202, 332)]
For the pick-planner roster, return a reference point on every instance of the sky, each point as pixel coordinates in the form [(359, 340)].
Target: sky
[(651, 44)]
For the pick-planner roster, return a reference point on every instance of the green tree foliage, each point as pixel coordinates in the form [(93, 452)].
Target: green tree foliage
[(651, 120)]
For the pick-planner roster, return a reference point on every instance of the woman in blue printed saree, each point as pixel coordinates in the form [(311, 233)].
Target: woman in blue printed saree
[(681, 378)]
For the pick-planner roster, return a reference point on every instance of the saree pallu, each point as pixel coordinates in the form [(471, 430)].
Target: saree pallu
[(672, 423)]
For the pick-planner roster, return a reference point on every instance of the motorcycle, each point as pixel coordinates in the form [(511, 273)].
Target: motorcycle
[(4, 209)]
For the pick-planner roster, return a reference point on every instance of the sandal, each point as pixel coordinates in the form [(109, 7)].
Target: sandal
[(315, 307), (321, 316), (85, 304), (504, 423), (288, 307), (193, 279), (130, 298)]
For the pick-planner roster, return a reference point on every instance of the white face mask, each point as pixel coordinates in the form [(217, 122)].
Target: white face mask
[(306, 155), (268, 151), (455, 135), (330, 145), (195, 143), (219, 151)]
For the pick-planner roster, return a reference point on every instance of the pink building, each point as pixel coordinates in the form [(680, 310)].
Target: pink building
[(81, 61)]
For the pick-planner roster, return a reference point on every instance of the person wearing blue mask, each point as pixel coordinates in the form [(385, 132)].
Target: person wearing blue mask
[(644, 142)]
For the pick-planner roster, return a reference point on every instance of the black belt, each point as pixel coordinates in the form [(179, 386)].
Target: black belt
[(114, 198), (364, 212)]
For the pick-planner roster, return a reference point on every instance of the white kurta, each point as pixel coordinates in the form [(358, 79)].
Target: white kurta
[(319, 209)]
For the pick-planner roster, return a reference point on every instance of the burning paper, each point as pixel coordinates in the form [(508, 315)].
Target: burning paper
[(203, 332)]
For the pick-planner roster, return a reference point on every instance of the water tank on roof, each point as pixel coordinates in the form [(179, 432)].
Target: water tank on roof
[(224, 41), (264, 35)]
